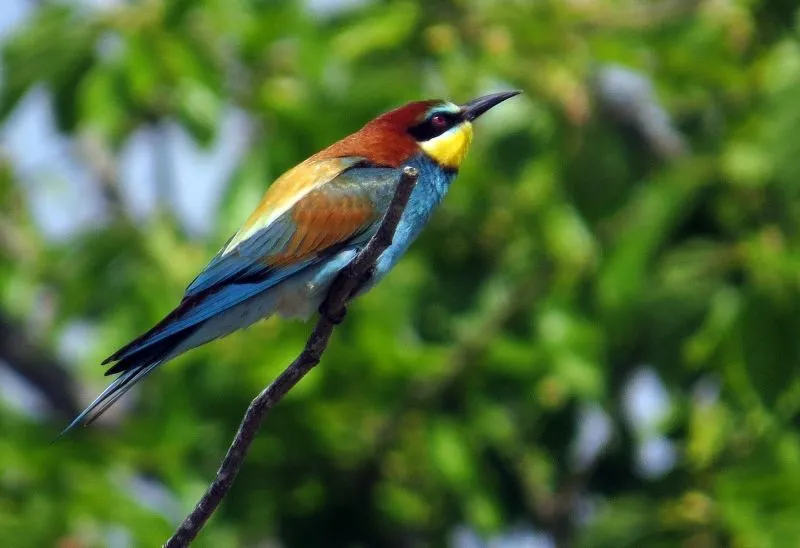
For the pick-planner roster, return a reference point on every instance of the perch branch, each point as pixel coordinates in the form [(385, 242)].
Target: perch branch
[(334, 307)]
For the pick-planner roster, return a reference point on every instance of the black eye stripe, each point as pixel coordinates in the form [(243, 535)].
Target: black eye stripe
[(429, 129)]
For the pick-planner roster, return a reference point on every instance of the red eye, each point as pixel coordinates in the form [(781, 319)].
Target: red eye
[(438, 121)]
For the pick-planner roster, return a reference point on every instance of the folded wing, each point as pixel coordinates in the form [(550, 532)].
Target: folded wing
[(276, 242)]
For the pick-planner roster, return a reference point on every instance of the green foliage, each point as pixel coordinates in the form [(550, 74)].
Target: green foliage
[(567, 254)]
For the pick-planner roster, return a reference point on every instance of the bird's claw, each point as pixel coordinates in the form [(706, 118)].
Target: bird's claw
[(335, 319)]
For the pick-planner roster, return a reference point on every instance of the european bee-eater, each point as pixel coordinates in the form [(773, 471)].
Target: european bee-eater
[(311, 223)]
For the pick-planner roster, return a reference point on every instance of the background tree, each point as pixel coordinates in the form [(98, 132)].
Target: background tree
[(595, 343)]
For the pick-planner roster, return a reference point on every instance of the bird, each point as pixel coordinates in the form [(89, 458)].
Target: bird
[(310, 224)]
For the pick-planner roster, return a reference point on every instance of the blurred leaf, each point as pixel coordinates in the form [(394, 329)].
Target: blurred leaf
[(570, 255), (385, 29), (55, 48)]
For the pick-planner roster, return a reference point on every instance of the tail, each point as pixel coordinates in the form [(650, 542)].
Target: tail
[(133, 366), (139, 358), (197, 320), (110, 395)]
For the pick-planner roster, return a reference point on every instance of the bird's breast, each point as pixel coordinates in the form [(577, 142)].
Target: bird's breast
[(432, 186)]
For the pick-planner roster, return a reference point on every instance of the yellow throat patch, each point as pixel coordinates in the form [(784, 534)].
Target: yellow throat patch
[(450, 148)]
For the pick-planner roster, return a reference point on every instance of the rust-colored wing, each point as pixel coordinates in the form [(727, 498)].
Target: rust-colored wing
[(300, 220)]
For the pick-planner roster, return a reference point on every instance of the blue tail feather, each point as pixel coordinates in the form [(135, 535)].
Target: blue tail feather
[(133, 368), (110, 395)]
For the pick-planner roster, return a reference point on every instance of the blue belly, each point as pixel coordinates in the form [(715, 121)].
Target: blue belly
[(431, 188)]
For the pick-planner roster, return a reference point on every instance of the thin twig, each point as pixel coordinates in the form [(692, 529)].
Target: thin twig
[(163, 166), (334, 307), (102, 164)]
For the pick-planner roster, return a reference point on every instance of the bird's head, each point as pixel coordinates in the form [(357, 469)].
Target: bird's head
[(441, 129)]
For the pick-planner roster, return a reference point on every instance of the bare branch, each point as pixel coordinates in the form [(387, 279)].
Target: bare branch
[(629, 98), (102, 164), (334, 307), (38, 367)]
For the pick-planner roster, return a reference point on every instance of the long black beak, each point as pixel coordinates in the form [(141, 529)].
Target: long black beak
[(478, 106)]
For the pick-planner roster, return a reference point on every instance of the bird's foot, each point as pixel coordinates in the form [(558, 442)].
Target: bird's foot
[(335, 319)]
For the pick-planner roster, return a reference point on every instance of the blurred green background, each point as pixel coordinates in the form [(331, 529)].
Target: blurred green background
[(594, 344)]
